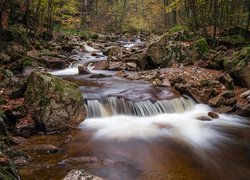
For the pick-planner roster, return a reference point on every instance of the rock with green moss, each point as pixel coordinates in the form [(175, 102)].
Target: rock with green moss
[(174, 46), (202, 46), (55, 104), (238, 65)]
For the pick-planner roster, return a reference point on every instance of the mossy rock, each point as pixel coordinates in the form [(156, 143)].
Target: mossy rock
[(202, 45), (55, 104), (22, 63), (233, 39), (238, 65)]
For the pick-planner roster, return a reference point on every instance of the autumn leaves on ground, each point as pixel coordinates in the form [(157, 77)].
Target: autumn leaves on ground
[(200, 48)]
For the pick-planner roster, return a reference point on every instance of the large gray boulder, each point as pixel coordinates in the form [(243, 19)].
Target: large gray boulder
[(55, 104)]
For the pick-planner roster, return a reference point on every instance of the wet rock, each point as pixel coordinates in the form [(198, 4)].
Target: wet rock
[(213, 115), (216, 101), (80, 175), (113, 51), (156, 82), (166, 83), (131, 66), (200, 95), (100, 76), (121, 74), (100, 65), (54, 62), (83, 70), (243, 108), (43, 149), (116, 66), (225, 109), (54, 104), (204, 118)]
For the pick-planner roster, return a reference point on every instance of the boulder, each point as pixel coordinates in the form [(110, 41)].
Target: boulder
[(243, 108), (80, 175), (238, 66), (83, 70), (173, 46), (113, 51), (54, 104)]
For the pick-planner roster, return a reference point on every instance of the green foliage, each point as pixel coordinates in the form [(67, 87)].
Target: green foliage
[(84, 34), (201, 45), (178, 28)]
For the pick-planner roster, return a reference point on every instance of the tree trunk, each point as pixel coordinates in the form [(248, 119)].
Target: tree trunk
[(248, 20)]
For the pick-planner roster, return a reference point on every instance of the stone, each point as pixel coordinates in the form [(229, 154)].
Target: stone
[(225, 109), (121, 74), (25, 128), (246, 94), (100, 65), (165, 83), (204, 118), (116, 66), (43, 149), (83, 70), (243, 108), (216, 101), (100, 76), (131, 66), (213, 115), (54, 104), (227, 80), (54, 62), (80, 175), (113, 51), (228, 94)]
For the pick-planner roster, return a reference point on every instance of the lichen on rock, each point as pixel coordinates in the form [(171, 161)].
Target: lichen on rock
[(55, 104)]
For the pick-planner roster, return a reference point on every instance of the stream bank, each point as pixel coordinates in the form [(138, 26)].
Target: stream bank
[(115, 75)]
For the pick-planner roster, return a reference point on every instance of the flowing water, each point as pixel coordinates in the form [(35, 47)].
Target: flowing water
[(136, 131)]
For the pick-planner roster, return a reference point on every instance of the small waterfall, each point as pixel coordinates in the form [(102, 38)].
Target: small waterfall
[(116, 106)]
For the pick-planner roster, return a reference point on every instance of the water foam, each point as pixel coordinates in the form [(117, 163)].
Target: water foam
[(182, 127)]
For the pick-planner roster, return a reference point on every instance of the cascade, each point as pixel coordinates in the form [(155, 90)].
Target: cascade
[(118, 105)]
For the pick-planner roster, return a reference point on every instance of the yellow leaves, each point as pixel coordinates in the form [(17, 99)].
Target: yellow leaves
[(175, 5)]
